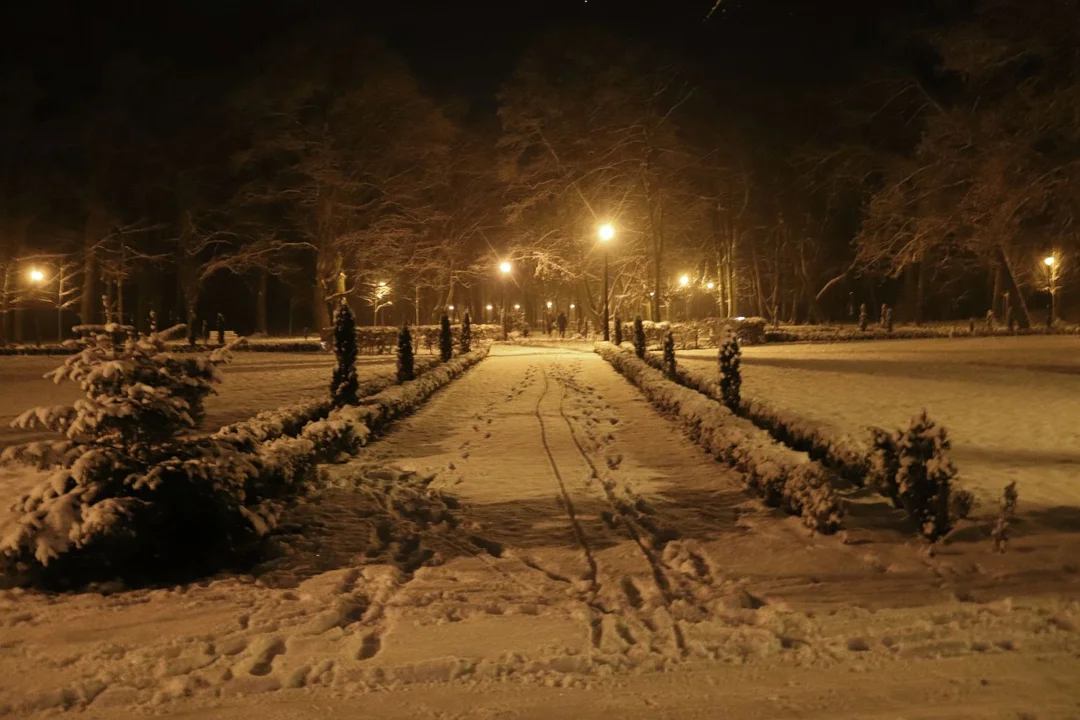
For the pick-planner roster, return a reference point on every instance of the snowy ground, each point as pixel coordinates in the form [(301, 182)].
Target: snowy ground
[(537, 542), (1011, 404), (253, 382)]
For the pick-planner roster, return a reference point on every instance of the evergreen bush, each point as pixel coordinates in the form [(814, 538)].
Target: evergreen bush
[(466, 334), (913, 469), (639, 338), (1006, 516), (618, 330), (888, 320), (405, 369), (864, 318), (344, 384), (128, 496), (669, 356), (446, 339), (730, 374), (220, 329)]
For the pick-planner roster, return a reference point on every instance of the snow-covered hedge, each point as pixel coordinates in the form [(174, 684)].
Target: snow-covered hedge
[(288, 421), (382, 339), (709, 332), (783, 477)]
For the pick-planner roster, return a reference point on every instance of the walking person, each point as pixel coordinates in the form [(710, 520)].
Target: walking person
[(562, 325)]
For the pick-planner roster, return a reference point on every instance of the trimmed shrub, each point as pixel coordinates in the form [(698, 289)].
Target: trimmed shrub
[(864, 318), (405, 369), (639, 337), (730, 374), (344, 384), (220, 329), (466, 335), (446, 339), (914, 470), (669, 357), (1006, 516), (618, 330)]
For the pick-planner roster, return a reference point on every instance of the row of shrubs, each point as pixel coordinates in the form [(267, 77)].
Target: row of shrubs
[(910, 467), (782, 477)]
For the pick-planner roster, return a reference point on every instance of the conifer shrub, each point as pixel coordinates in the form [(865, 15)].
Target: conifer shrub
[(405, 364), (128, 495), (446, 339), (618, 330), (888, 320), (730, 373), (1006, 516), (639, 338), (220, 329), (344, 383), (913, 469), (466, 335), (864, 318), (669, 356)]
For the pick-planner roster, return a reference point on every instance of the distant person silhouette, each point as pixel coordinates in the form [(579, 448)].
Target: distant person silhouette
[(562, 325)]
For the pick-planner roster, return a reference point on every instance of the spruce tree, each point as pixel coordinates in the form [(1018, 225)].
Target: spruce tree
[(864, 318), (618, 330), (405, 371), (730, 374), (446, 339), (639, 337), (220, 329), (466, 334), (344, 386), (888, 320), (669, 355)]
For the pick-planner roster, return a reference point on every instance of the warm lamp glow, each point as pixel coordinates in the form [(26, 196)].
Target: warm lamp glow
[(505, 267), (36, 275), (382, 283), (549, 304), (684, 280), (606, 232), (710, 285), (449, 307), (489, 306), (572, 306), (1050, 261), (516, 306)]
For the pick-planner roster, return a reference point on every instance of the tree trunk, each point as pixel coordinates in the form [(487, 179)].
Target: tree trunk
[(260, 301), (1023, 320)]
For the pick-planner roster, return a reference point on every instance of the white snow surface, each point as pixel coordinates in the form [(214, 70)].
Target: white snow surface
[(1011, 405), (538, 542)]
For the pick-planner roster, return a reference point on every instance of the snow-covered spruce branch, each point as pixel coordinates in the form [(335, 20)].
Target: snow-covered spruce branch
[(783, 477)]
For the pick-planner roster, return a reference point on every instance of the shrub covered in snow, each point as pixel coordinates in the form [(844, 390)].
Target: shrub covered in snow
[(913, 468), (446, 339), (344, 384), (405, 369), (784, 478), (125, 487), (669, 356), (1006, 516), (466, 335), (639, 338), (730, 374), (864, 318)]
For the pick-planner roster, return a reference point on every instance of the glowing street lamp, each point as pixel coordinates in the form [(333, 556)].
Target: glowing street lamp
[(548, 304), (505, 267), (517, 306), (606, 233), (710, 285), (37, 276), (489, 308), (1052, 275), (684, 280)]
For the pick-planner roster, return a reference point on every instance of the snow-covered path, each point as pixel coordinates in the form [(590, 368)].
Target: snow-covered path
[(1011, 404), (537, 542)]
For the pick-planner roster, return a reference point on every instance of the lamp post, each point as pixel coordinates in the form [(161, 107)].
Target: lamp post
[(505, 268), (606, 233), (490, 317), (1051, 263), (684, 283)]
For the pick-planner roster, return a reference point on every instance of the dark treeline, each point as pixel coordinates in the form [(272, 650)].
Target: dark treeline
[(786, 159)]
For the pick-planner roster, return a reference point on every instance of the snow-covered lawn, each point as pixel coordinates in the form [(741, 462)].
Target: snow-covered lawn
[(537, 542), (253, 382), (1011, 404)]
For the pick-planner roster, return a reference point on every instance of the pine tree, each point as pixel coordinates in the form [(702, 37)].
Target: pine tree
[(669, 355), (730, 374), (344, 385), (220, 329), (1000, 532), (888, 319), (405, 371), (864, 318), (618, 330), (446, 339), (466, 334), (639, 337)]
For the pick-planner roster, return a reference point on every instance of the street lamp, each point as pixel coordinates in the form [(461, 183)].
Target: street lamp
[(684, 282), (505, 267), (517, 306), (489, 309), (36, 276), (606, 233), (710, 285), (1052, 265), (548, 304)]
